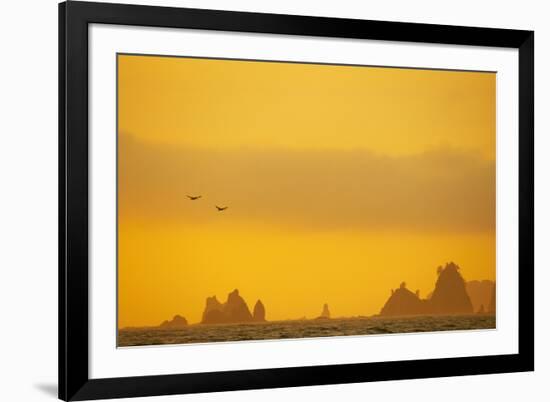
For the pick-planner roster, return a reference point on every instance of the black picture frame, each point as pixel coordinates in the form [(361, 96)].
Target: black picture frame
[(74, 380)]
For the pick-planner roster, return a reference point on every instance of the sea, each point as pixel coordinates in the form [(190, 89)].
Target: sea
[(201, 333)]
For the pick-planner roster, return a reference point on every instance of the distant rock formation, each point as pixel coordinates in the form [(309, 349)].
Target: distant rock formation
[(492, 307), (213, 311), (480, 293), (325, 314), (234, 310), (258, 314), (404, 302), (448, 297), (176, 323)]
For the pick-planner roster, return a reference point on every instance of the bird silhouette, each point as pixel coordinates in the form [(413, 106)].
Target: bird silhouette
[(193, 198), (221, 208)]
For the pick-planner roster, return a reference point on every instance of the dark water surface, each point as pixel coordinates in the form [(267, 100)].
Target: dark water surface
[(302, 329)]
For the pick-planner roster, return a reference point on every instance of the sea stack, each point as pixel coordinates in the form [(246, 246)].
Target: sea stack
[(213, 312), (449, 295), (177, 322), (258, 314), (404, 302), (325, 314), (234, 310)]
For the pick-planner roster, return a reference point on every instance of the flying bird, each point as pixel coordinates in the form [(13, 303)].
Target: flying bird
[(193, 198), (221, 208)]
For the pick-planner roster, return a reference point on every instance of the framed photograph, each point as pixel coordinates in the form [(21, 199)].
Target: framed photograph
[(257, 201)]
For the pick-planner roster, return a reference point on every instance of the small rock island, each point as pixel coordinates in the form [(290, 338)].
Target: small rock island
[(259, 312), (449, 297), (234, 310), (325, 314), (177, 322)]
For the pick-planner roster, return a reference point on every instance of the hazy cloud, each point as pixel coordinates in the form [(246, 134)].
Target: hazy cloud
[(441, 190)]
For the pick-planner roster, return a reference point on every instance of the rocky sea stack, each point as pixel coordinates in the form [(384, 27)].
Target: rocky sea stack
[(325, 314), (176, 323), (449, 297), (259, 312), (404, 302), (234, 310)]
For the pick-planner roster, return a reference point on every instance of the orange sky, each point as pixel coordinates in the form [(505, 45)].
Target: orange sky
[(341, 182)]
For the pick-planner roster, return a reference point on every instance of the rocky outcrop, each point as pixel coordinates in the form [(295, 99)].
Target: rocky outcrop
[(177, 322), (480, 293), (325, 314), (258, 314), (404, 302), (213, 311), (234, 310), (448, 297)]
